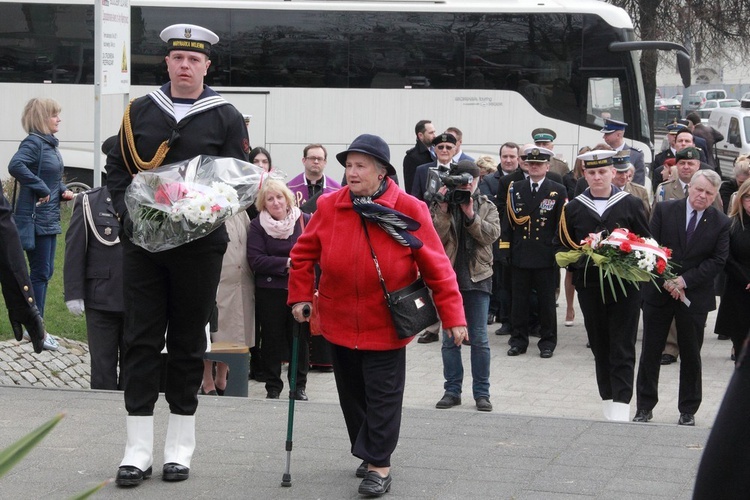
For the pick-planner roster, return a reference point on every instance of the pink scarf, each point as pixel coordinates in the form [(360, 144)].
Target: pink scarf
[(279, 229)]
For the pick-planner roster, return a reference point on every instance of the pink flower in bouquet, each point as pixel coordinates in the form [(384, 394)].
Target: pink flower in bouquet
[(170, 192)]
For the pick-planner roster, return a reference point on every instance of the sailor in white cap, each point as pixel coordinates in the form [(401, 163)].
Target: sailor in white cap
[(609, 315), (172, 290)]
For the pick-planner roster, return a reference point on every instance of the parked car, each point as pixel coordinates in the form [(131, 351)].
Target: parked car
[(666, 110), (708, 95), (734, 125), (745, 97), (705, 109), (692, 103)]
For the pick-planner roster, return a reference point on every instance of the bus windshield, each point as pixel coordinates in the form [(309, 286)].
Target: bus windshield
[(504, 68)]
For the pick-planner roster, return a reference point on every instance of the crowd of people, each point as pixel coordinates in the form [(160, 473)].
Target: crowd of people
[(482, 235)]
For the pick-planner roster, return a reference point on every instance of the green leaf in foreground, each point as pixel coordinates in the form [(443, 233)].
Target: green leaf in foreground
[(11, 455)]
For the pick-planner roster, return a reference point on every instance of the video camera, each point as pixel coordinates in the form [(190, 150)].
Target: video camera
[(454, 196)]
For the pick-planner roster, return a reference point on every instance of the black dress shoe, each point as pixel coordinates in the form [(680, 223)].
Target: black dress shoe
[(428, 337), (374, 485), (667, 359), (129, 475), (643, 416), (448, 401), (515, 351), (545, 353), (686, 419), (301, 396), (174, 472), (491, 318), (361, 470), (272, 395), (503, 330), (723, 337), (483, 404)]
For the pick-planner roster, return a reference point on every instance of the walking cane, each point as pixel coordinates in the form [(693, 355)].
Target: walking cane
[(286, 479)]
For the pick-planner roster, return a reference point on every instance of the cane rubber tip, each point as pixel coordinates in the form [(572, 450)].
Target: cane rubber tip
[(286, 484), (286, 480)]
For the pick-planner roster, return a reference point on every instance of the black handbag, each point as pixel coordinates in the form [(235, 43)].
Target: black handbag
[(411, 307), (26, 223)]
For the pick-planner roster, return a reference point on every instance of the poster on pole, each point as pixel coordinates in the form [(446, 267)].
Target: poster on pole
[(114, 46)]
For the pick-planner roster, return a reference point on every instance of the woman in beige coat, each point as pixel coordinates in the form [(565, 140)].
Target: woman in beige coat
[(235, 300)]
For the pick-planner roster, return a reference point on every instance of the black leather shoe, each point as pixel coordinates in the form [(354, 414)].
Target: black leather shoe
[(723, 337), (545, 353), (301, 395), (643, 416), (129, 475), (515, 351), (448, 401), (686, 419), (428, 338), (361, 470), (174, 472), (491, 318), (483, 404), (503, 330), (667, 359), (272, 395), (374, 485)]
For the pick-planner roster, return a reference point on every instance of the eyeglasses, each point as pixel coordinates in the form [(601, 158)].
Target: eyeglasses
[(315, 158), (444, 147)]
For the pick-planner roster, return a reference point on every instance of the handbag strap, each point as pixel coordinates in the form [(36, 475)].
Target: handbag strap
[(377, 265)]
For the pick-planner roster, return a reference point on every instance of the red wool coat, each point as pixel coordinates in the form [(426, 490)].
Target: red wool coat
[(352, 308)]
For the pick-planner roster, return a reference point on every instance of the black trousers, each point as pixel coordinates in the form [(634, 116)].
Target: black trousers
[(690, 326), (173, 291), (371, 393), (612, 328), (543, 281), (277, 322), (724, 471), (105, 330)]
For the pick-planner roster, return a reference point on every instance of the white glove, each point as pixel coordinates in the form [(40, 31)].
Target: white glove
[(75, 307)]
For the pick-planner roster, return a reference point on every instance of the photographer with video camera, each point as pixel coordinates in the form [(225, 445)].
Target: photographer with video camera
[(468, 224)]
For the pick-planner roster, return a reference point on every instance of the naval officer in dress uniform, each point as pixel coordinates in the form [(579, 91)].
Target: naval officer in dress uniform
[(173, 290), (612, 321), (14, 279), (533, 211)]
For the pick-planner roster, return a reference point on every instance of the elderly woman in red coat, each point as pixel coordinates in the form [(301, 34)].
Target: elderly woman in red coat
[(369, 359)]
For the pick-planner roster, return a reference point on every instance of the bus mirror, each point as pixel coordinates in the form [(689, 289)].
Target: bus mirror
[(683, 64), (683, 58)]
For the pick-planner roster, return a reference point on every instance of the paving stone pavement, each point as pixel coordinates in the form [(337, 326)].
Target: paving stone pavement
[(545, 439)]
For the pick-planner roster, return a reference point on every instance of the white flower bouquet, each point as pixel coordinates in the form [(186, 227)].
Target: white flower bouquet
[(178, 203)]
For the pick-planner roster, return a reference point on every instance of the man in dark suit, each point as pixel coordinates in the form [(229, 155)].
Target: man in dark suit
[(528, 229), (614, 136), (501, 285), (14, 279), (698, 235), (93, 282), (420, 153)]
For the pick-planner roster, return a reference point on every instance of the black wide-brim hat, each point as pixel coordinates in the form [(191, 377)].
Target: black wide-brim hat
[(370, 145)]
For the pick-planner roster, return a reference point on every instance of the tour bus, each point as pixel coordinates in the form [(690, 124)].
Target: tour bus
[(326, 71)]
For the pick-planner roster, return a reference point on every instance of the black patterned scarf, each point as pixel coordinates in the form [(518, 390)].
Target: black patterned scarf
[(393, 222)]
